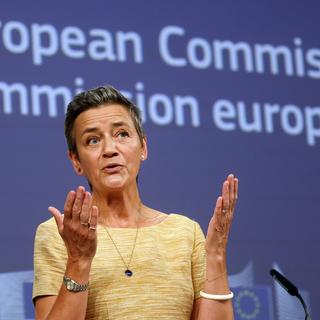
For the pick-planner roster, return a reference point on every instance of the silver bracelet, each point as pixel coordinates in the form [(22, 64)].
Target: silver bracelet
[(209, 296)]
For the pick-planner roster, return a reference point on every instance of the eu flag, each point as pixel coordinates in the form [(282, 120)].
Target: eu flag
[(253, 303)]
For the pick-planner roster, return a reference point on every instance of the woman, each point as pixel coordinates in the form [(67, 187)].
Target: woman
[(113, 257)]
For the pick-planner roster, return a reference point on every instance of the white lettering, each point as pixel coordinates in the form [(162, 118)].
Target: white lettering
[(222, 111), (312, 115), (313, 57), (273, 53), (135, 39), (7, 93), (141, 102), (157, 100), (78, 82), (298, 57), (40, 50), (233, 49), (101, 48), (22, 34), (198, 44), (180, 104), (51, 95), (296, 126), (165, 53), (71, 37), (256, 124), (269, 111)]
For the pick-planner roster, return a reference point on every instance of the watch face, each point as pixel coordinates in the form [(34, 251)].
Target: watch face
[(70, 285)]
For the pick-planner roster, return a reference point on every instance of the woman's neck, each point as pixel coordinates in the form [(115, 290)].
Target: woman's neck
[(118, 209)]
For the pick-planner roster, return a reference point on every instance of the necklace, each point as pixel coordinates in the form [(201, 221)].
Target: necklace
[(128, 272)]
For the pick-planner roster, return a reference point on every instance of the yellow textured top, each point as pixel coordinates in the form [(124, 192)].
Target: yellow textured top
[(168, 268)]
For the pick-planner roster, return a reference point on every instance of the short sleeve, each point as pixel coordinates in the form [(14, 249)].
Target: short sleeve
[(198, 260), (49, 260)]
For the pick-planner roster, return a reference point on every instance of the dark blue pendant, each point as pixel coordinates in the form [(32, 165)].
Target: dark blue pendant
[(128, 273)]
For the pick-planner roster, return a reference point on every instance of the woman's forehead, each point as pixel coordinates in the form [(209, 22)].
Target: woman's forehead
[(103, 115)]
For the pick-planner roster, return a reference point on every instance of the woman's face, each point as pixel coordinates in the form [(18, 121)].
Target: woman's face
[(109, 148)]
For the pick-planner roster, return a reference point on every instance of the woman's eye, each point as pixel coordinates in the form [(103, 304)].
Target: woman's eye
[(123, 134), (92, 141)]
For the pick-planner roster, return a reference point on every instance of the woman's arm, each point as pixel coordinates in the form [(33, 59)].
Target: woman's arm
[(67, 304), (216, 281), (81, 241)]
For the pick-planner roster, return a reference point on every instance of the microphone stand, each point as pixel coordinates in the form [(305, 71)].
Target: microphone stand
[(308, 316), (291, 289)]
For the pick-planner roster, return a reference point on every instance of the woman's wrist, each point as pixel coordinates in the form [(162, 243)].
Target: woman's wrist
[(216, 259), (218, 250), (216, 267), (78, 270)]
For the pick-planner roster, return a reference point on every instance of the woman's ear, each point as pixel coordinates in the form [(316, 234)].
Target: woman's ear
[(75, 163), (144, 150)]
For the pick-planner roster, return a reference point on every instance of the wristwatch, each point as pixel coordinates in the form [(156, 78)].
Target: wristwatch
[(74, 286)]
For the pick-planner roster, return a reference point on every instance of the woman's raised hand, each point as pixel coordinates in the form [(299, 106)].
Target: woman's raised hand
[(220, 223), (77, 226)]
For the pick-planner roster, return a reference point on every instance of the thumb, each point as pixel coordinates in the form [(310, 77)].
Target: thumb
[(58, 217)]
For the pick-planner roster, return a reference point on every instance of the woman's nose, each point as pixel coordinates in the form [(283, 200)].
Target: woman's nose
[(109, 148)]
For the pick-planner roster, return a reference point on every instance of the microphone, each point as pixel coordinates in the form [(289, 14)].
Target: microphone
[(290, 288), (284, 282)]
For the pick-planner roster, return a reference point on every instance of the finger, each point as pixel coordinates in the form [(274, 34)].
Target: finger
[(76, 209), (68, 204), (94, 218), (231, 192), (225, 196), (236, 184), (85, 211), (218, 208), (58, 217), (218, 216), (217, 213), (231, 186)]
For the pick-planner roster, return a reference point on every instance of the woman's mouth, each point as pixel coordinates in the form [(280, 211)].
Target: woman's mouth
[(112, 168)]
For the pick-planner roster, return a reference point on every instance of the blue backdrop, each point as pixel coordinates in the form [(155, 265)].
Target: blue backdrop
[(224, 87)]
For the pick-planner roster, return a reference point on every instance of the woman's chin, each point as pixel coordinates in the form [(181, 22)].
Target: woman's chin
[(115, 183)]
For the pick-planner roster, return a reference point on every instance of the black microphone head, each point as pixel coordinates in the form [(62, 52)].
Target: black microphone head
[(285, 283)]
